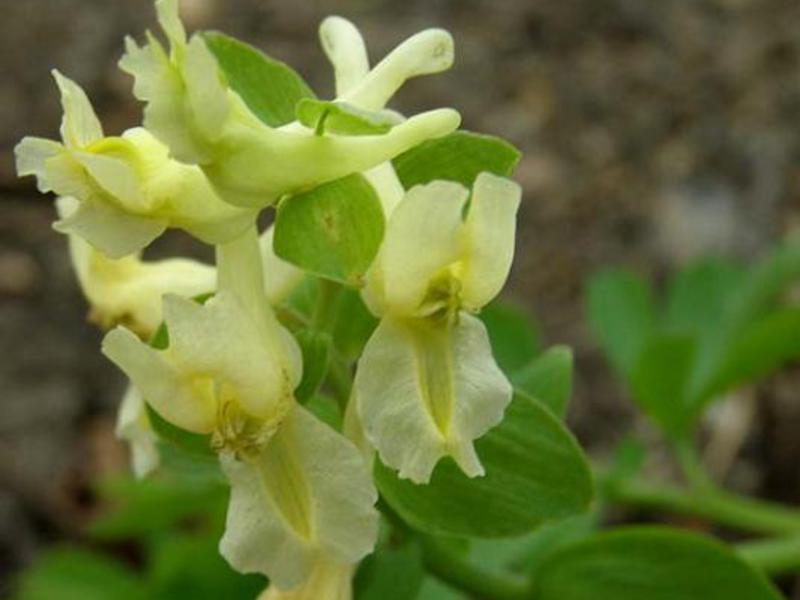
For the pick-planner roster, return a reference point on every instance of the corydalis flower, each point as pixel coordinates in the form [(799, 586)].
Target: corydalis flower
[(300, 491), (192, 110), (427, 385), (129, 190)]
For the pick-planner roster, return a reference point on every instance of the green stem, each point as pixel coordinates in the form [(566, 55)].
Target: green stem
[(452, 568), (327, 307), (470, 578), (340, 381), (718, 506), (774, 557), (691, 466)]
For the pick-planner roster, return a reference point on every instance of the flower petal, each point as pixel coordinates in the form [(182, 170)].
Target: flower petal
[(220, 339), (430, 51), (113, 232), (307, 494), (204, 89), (165, 389), (169, 19), (344, 47), (134, 427), (299, 159), (425, 391), (328, 581), (116, 177), (80, 125), (488, 239), (422, 237), (32, 154)]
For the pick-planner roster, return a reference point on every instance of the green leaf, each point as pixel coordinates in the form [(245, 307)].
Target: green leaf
[(139, 508), (190, 566), (699, 294), (72, 574), (757, 351), (660, 378), (333, 230), (392, 574), (765, 283), (649, 563), (460, 156), (758, 293), (316, 349), (433, 589), (535, 472), (513, 334), (271, 89), (548, 378), (354, 325), (620, 312), (341, 118), (525, 554)]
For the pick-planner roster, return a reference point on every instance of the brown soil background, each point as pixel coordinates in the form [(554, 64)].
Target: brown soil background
[(653, 131)]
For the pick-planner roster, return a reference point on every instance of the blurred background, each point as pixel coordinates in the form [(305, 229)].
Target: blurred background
[(653, 131)]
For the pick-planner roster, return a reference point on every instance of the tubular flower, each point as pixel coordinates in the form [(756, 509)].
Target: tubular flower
[(427, 385), (128, 290), (299, 490), (192, 110), (129, 190)]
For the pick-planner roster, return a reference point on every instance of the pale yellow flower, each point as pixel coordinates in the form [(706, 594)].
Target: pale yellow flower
[(427, 385), (191, 109), (300, 491), (129, 190)]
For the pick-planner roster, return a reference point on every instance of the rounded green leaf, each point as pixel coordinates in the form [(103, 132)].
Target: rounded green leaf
[(513, 333), (333, 230), (535, 472), (460, 156), (649, 563), (548, 378), (270, 88), (620, 311)]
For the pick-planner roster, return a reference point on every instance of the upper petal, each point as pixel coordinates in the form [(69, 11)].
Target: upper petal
[(427, 52), (489, 233), (80, 125), (32, 154), (422, 237), (221, 340), (345, 49), (307, 495), (167, 390)]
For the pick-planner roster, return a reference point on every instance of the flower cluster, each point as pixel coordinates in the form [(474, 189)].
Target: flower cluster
[(302, 506)]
